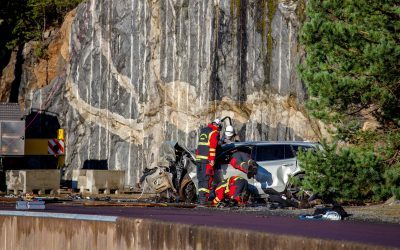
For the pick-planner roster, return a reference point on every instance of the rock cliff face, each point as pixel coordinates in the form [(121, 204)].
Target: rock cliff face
[(138, 72), (7, 77)]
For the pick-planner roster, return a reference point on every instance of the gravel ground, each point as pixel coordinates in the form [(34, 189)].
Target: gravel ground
[(381, 213), (388, 212)]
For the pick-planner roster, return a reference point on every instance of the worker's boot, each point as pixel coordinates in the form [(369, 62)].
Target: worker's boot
[(233, 203), (202, 199), (205, 204)]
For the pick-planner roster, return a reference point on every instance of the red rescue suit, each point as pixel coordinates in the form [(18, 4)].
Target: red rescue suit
[(234, 188), (205, 156)]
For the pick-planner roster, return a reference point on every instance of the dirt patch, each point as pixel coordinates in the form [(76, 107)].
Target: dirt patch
[(389, 213), (382, 213)]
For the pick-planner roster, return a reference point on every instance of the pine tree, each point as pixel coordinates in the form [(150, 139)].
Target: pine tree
[(351, 67), (353, 59)]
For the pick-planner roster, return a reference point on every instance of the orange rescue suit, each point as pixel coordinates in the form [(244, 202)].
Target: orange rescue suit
[(232, 188)]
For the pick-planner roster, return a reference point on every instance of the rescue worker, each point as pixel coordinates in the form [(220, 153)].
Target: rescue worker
[(243, 162), (228, 136), (205, 158), (232, 191)]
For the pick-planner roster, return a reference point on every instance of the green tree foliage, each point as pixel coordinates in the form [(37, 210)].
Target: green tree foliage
[(358, 173), (353, 58), (24, 20), (12, 13), (352, 69)]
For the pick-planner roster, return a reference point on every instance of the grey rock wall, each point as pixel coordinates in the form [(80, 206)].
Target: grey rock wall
[(142, 72)]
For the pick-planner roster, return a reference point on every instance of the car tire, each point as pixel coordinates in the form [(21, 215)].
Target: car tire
[(298, 193), (187, 190)]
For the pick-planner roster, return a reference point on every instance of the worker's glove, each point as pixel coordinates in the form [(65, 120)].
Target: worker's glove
[(250, 173), (252, 169), (253, 164), (209, 170)]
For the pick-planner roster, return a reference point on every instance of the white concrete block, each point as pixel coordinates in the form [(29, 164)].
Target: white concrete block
[(100, 181), (40, 181)]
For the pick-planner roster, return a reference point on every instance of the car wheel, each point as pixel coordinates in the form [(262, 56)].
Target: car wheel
[(298, 193), (187, 190)]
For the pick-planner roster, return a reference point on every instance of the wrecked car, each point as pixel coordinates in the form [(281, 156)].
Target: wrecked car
[(171, 177), (276, 163)]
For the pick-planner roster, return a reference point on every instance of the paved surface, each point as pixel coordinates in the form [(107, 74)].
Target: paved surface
[(369, 233)]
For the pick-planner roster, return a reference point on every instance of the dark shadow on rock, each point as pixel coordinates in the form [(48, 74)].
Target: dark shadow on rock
[(95, 164), (41, 124), (17, 73), (242, 42), (216, 86), (5, 56)]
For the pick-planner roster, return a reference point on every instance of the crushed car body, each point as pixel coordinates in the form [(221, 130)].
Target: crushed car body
[(172, 175), (276, 163)]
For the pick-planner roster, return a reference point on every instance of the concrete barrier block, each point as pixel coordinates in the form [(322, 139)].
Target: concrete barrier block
[(75, 176), (15, 181), (40, 181), (100, 181)]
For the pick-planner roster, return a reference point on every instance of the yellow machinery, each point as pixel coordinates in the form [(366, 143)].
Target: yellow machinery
[(47, 146), (34, 141)]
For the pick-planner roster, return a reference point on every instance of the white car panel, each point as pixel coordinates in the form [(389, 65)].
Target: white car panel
[(274, 174)]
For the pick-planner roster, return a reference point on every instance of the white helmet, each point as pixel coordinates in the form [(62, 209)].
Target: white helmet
[(217, 122), (229, 131)]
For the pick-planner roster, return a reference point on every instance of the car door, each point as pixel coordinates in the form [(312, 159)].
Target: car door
[(276, 163)]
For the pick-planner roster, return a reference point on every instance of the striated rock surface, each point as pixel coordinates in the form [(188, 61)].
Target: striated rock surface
[(7, 77), (132, 74)]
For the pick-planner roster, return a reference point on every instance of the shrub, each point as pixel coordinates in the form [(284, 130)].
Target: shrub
[(354, 173), (349, 173)]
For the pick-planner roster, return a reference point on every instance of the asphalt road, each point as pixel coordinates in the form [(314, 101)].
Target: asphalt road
[(362, 232)]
